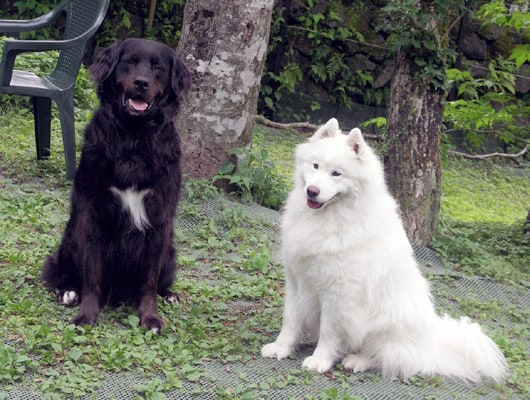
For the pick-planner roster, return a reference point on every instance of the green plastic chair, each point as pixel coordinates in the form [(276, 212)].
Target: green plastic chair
[(83, 18)]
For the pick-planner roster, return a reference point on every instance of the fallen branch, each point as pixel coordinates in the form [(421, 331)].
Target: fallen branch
[(491, 155), (301, 126)]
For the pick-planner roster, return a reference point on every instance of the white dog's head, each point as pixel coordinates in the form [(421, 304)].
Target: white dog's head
[(332, 165)]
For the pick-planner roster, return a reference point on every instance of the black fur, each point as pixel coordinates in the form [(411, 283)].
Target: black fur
[(104, 257)]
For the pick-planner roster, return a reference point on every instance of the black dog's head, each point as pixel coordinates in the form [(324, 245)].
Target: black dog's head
[(140, 77)]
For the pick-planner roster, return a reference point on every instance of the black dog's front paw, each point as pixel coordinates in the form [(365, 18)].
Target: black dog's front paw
[(154, 323), (84, 319)]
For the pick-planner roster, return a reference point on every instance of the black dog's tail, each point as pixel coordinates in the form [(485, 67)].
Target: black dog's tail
[(57, 273)]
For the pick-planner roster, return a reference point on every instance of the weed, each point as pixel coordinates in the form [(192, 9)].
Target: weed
[(334, 394), (255, 177)]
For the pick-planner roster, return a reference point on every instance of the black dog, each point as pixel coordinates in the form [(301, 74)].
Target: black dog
[(117, 246)]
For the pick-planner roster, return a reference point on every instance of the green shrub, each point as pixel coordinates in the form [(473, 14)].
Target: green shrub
[(255, 177)]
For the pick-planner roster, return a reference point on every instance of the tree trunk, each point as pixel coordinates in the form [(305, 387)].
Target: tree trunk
[(412, 160), (224, 45)]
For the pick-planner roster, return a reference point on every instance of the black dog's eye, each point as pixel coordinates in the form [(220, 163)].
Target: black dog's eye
[(157, 68), (131, 61)]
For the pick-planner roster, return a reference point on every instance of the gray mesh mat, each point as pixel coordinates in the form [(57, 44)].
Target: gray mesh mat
[(290, 382)]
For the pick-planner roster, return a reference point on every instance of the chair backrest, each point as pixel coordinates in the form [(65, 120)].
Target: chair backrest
[(82, 16)]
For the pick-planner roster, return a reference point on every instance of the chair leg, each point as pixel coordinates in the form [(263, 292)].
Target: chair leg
[(66, 114), (42, 107)]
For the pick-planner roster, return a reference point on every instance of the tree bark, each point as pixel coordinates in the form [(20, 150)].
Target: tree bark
[(224, 45), (412, 160)]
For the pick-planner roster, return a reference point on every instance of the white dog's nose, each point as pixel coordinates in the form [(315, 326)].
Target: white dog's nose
[(312, 191)]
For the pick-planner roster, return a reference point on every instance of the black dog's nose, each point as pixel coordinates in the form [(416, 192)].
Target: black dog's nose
[(313, 191), (141, 83)]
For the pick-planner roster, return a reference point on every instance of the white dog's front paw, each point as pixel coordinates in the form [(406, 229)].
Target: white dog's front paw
[(313, 363), (275, 350), (357, 363)]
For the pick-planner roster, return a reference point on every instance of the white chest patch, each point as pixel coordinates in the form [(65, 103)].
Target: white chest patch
[(132, 201)]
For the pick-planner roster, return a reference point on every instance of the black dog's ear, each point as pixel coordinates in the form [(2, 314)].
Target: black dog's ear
[(106, 61), (180, 78)]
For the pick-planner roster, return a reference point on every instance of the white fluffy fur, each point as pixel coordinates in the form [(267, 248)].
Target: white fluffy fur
[(352, 282)]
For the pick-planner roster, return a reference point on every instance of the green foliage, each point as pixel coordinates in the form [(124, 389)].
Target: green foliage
[(168, 22), (254, 177), (378, 122), (199, 189), (479, 118), (419, 29), (28, 9), (489, 105), (13, 364), (516, 17), (122, 20), (322, 29), (287, 80), (501, 80), (326, 30), (334, 394)]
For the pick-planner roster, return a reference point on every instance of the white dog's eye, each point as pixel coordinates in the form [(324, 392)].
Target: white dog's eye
[(315, 165), (336, 173)]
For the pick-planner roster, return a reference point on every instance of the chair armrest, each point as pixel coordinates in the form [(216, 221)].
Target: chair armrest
[(10, 25), (14, 47)]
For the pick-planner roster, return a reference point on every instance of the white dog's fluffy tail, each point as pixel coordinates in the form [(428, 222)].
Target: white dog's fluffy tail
[(462, 350)]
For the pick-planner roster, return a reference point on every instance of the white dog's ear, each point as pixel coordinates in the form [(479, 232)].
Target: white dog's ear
[(329, 129), (356, 141)]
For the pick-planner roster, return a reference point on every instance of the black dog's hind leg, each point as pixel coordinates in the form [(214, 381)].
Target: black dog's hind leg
[(61, 273), (167, 276)]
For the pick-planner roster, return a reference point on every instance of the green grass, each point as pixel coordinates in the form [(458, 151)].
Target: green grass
[(229, 283), (484, 207), (483, 192)]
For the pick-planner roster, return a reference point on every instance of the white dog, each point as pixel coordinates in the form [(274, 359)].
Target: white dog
[(352, 282)]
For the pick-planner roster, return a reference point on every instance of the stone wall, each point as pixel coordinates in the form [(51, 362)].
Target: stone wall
[(478, 46)]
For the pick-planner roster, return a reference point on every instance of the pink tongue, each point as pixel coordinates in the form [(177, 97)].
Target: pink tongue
[(313, 204), (138, 105)]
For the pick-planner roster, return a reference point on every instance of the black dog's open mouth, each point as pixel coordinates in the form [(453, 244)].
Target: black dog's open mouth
[(136, 106)]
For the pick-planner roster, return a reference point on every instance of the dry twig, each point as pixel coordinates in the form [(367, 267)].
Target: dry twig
[(301, 126), (491, 155)]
